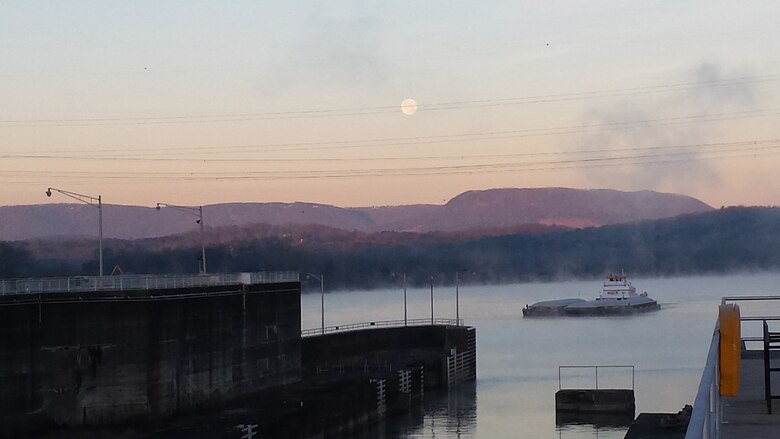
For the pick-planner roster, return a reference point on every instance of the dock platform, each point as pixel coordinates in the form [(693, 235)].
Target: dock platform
[(731, 405), (745, 415)]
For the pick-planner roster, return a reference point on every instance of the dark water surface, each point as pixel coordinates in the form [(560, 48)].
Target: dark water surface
[(518, 359)]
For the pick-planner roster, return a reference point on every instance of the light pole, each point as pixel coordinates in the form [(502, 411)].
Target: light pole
[(321, 278), (431, 300), (457, 299), (195, 211), (405, 299), (86, 199), (457, 310)]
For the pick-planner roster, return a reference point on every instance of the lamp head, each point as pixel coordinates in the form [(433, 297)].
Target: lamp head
[(48, 192)]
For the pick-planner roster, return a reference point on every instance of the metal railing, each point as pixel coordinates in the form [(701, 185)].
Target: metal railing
[(379, 324), (140, 282), (705, 417), (596, 372)]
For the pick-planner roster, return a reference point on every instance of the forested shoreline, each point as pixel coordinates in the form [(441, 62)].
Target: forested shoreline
[(723, 241)]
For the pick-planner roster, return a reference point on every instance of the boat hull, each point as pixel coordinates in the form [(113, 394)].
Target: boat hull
[(603, 307)]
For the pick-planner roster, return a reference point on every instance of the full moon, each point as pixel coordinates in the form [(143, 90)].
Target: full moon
[(409, 106)]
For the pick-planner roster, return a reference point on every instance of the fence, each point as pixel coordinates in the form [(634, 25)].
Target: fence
[(462, 366), (379, 324), (140, 282)]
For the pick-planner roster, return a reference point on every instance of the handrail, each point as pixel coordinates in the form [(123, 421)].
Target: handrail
[(379, 324), (705, 417), (747, 298), (596, 372), (139, 282)]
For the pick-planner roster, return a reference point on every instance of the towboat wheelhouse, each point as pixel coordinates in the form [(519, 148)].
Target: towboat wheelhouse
[(617, 286)]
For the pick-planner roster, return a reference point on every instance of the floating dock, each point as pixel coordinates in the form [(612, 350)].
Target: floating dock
[(578, 403)]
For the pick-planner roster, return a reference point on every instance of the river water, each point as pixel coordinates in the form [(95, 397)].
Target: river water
[(518, 359)]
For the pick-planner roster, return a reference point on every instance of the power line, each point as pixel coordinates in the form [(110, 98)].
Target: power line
[(358, 111), (148, 154), (636, 155), (386, 159)]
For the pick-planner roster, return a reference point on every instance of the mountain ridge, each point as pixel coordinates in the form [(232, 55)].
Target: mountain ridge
[(471, 210)]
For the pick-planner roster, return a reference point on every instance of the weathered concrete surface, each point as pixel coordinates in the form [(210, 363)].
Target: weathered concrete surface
[(107, 358), (389, 349), (351, 380), (746, 415)]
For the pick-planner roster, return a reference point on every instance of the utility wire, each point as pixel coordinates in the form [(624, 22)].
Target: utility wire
[(149, 154), (636, 155), (454, 105), (386, 159)]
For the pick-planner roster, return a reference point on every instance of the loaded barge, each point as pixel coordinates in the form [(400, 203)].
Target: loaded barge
[(618, 297)]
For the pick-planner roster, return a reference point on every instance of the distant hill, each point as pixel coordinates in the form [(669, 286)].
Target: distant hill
[(719, 241), (561, 206), (473, 210)]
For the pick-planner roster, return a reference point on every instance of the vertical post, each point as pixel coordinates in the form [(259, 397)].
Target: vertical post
[(431, 300), (322, 301), (100, 234), (457, 306), (202, 241), (597, 378), (559, 377), (767, 371), (405, 299)]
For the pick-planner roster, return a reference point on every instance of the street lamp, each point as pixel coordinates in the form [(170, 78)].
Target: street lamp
[(86, 199), (457, 285), (198, 212), (404, 299), (431, 300), (403, 276), (321, 278), (457, 310)]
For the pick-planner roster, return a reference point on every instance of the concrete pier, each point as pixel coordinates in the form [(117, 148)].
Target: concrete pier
[(350, 380), (87, 357), (112, 357)]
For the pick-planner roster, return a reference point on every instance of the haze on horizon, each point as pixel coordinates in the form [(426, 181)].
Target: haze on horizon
[(204, 102)]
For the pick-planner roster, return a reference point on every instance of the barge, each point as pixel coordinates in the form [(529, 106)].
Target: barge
[(618, 297)]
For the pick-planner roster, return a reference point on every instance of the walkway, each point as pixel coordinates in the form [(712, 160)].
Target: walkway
[(745, 416)]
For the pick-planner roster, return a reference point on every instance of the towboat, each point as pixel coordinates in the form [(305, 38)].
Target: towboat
[(618, 296)]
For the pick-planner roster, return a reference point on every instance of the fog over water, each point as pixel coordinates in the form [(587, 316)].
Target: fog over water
[(518, 359)]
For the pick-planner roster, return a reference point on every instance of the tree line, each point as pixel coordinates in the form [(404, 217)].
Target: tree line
[(722, 241)]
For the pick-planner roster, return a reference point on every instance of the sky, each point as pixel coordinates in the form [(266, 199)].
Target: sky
[(204, 102)]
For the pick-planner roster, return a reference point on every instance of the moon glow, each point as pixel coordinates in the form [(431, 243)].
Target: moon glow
[(409, 106)]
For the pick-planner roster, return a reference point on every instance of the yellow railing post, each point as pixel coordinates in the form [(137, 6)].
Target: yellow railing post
[(730, 349)]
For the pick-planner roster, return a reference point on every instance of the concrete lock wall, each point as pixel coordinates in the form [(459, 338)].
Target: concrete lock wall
[(398, 347), (101, 358)]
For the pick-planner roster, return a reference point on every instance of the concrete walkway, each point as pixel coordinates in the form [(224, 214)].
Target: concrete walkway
[(745, 416)]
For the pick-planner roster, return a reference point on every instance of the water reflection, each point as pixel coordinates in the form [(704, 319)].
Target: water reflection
[(595, 420), (597, 425), (447, 414), (518, 358)]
